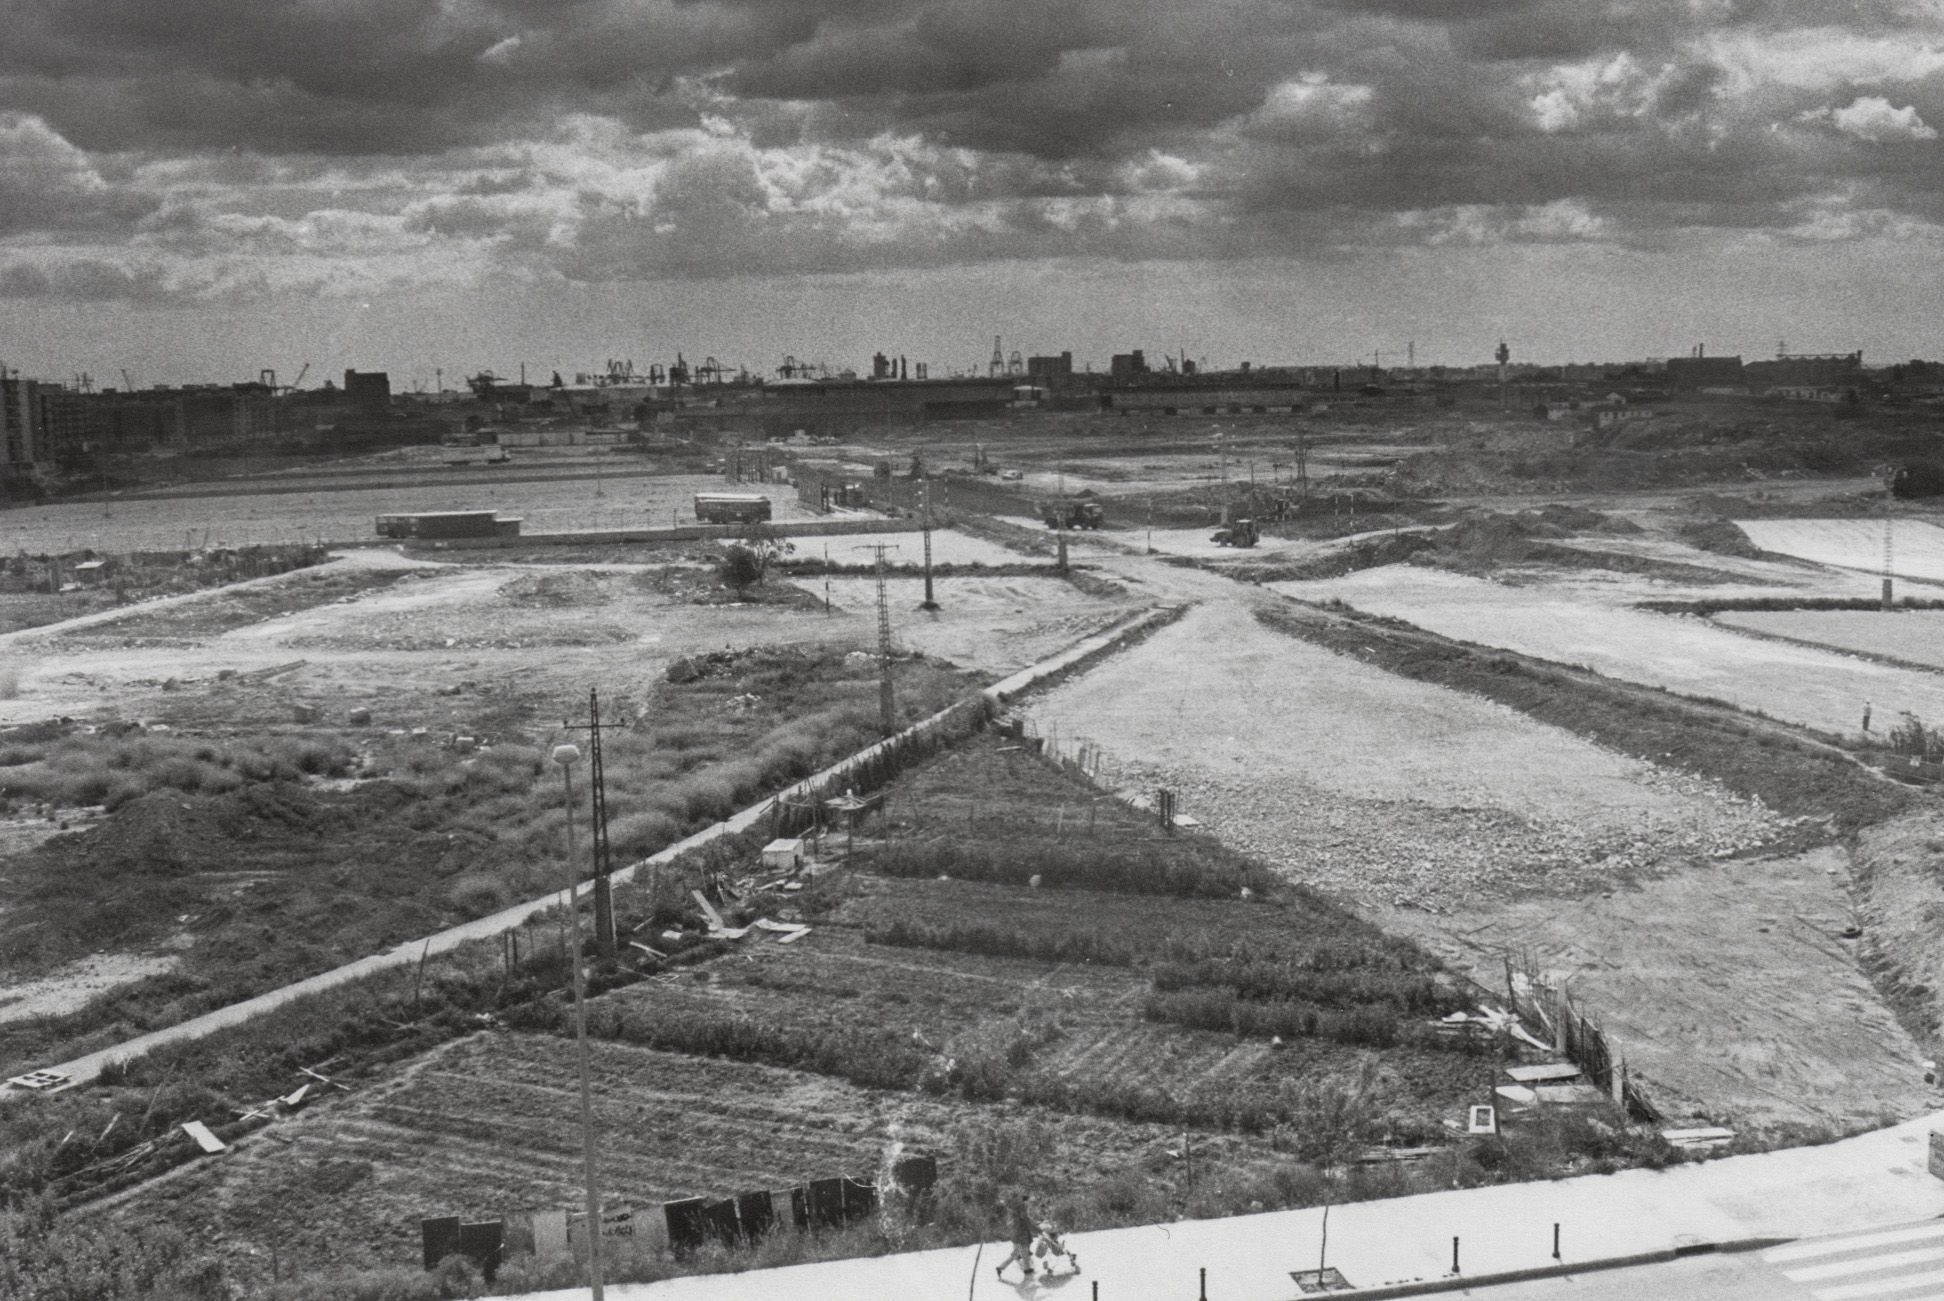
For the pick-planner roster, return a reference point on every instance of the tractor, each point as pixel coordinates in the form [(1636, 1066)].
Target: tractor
[(1240, 533), (1073, 513)]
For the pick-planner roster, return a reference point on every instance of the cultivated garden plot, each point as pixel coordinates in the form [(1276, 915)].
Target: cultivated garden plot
[(1378, 788), (1094, 1030), (1690, 656), (1917, 547)]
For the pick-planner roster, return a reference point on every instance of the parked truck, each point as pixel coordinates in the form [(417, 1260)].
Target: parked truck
[(731, 508), (1073, 513)]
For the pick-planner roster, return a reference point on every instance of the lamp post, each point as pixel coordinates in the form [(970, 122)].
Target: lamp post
[(567, 756)]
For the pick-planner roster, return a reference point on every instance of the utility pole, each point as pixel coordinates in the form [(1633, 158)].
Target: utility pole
[(567, 756), (929, 602), (1504, 354), (1889, 555), (887, 704), (604, 932)]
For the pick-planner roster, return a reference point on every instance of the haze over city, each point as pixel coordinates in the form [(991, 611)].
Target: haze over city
[(196, 191)]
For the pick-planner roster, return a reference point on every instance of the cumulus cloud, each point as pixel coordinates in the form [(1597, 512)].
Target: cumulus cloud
[(231, 147), (1875, 119)]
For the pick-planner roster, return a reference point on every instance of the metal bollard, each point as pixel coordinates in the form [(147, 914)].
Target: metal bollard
[(1204, 1283), (1555, 1240), (1454, 1254)]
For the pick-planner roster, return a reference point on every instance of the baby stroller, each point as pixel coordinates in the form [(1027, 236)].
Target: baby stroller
[(1051, 1243)]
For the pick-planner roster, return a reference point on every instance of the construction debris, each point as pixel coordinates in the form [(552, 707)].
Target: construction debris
[(39, 1081), (708, 909), (205, 1140), (1699, 1139), (1543, 1074)]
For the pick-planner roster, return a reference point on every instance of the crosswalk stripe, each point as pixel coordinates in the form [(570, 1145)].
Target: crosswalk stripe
[(1863, 1265), (1832, 1246), (1880, 1287)]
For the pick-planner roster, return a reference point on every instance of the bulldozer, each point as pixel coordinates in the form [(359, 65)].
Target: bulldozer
[(1073, 513), (1238, 533)]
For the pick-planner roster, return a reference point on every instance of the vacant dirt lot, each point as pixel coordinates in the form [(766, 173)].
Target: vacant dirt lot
[(1727, 985), (1917, 547), (1480, 833), (377, 630), (1913, 636), (1375, 787), (1816, 688), (234, 520)]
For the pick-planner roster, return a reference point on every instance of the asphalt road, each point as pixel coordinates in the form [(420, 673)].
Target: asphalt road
[(1896, 1263)]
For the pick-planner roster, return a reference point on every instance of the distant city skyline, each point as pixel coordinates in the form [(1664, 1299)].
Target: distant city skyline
[(199, 193)]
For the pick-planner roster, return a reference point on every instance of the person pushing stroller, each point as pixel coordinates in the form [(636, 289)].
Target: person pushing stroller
[(1050, 1243), (1033, 1239)]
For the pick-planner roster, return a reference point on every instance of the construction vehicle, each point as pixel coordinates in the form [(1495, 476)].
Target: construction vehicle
[(1073, 513), (1237, 533)]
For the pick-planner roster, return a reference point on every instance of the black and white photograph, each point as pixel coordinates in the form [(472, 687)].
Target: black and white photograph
[(1031, 650)]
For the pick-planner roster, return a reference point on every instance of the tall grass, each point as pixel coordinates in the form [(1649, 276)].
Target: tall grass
[(68, 768)]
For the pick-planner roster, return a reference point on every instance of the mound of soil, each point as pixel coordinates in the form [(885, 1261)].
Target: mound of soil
[(1578, 519), (259, 826), (556, 591), (1720, 537)]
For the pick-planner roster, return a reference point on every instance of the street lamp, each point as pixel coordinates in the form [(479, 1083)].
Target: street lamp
[(567, 756)]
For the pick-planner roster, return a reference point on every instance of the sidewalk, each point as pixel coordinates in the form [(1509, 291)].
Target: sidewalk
[(1878, 1178)]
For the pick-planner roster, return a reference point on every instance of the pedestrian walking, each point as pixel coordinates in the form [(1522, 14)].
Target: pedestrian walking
[(1019, 1224)]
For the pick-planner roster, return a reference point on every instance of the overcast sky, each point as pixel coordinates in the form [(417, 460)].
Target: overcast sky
[(195, 189)]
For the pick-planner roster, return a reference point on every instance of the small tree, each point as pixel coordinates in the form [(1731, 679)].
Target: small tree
[(741, 568)]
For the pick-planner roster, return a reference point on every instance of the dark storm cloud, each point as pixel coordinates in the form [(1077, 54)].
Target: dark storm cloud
[(601, 139)]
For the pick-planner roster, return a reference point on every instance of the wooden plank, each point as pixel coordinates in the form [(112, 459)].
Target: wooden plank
[(1543, 1073), (205, 1140), (708, 909), (1708, 1134)]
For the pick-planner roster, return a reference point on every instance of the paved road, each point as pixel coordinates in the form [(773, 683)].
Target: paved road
[(1854, 1187), (1902, 1262)]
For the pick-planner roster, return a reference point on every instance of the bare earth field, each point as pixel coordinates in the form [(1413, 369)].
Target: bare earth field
[(1375, 787), (1479, 832), (1913, 636), (1816, 688), (1728, 986), (1917, 547), (164, 524), (410, 628)]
